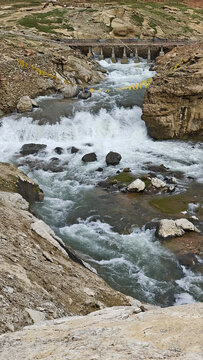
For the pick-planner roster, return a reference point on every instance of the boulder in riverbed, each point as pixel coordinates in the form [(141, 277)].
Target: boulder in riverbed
[(136, 186), (168, 228), (58, 150), (74, 150), (157, 183), (24, 104), (113, 158), (69, 91), (89, 157), (30, 149)]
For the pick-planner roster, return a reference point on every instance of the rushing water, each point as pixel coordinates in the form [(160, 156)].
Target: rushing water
[(86, 217)]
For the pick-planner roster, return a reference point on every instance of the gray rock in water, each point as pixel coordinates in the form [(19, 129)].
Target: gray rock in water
[(113, 158), (86, 94), (89, 157), (24, 104), (58, 150), (28, 149), (34, 103), (70, 91), (74, 150)]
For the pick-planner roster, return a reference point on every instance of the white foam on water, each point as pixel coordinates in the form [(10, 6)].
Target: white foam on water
[(184, 298), (136, 261)]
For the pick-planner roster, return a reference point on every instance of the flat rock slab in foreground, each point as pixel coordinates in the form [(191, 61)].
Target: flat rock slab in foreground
[(115, 333)]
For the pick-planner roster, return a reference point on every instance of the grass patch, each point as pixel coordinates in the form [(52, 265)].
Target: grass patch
[(123, 177), (153, 25), (138, 19), (46, 22), (171, 205), (186, 29)]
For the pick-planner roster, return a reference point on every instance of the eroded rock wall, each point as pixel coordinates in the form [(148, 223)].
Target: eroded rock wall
[(173, 105)]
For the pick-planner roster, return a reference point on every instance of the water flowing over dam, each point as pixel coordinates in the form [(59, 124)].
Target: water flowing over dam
[(106, 229)]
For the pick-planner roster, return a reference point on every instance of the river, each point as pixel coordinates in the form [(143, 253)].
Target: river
[(89, 219)]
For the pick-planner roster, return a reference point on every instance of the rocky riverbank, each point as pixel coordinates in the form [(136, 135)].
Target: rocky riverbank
[(16, 81), (40, 278), (173, 105)]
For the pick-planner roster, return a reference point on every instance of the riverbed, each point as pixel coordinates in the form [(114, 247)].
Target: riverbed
[(107, 229)]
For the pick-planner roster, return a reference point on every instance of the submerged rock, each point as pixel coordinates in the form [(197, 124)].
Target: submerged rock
[(29, 149), (24, 104), (89, 157), (136, 186), (113, 158)]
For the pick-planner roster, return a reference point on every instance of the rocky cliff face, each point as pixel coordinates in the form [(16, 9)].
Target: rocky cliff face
[(38, 277), (118, 333), (173, 105)]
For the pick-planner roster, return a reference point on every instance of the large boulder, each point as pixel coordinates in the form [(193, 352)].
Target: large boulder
[(14, 180), (113, 158), (24, 104), (171, 228), (70, 91), (30, 149), (89, 157), (136, 186)]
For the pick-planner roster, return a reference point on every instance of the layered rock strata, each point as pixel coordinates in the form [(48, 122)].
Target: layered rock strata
[(173, 104)]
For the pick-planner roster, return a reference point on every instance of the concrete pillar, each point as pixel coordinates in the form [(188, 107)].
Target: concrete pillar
[(136, 55), (148, 55), (101, 56), (113, 57), (124, 59), (161, 51), (90, 54)]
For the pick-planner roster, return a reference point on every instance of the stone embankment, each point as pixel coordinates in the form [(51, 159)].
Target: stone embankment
[(40, 277), (118, 333), (173, 105)]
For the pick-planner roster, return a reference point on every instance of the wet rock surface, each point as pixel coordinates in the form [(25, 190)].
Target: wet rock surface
[(91, 157), (113, 158), (30, 149)]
